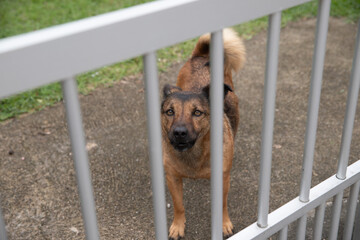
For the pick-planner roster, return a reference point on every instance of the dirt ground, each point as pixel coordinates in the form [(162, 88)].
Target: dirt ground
[(38, 192)]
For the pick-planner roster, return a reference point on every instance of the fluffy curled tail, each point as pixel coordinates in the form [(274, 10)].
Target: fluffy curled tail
[(234, 50)]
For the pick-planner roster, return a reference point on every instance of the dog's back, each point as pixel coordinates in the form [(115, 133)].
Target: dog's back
[(195, 74)]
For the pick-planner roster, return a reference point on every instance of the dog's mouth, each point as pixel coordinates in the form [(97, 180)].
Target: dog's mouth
[(182, 146)]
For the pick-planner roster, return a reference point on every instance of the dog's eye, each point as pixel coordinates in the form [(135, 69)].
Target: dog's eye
[(169, 112), (197, 113)]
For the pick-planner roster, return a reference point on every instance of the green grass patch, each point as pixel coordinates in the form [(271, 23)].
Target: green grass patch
[(30, 101), (350, 9), (20, 16)]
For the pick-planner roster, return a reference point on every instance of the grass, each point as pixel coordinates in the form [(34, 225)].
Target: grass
[(20, 16)]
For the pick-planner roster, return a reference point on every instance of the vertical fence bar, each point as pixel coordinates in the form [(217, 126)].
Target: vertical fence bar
[(283, 233), (2, 227), (216, 129), (314, 98), (356, 234), (301, 228), (353, 93), (313, 109), (351, 209), (155, 146), (76, 132), (335, 216), (319, 221), (268, 117)]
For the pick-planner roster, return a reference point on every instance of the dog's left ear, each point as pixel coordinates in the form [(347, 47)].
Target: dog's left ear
[(206, 90), (227, 89), (169, 89)]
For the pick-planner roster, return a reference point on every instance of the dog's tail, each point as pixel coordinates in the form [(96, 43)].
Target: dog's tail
[(234, 50)]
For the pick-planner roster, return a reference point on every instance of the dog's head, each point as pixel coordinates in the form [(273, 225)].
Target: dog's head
[(185, 116)]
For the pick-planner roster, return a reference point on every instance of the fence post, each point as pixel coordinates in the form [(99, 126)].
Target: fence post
[(352, 98), (268, 117), (283, 235), (356, 234), (335, 216), (216, 130), (353, 92), (155, 146), (314, 97), (313, 108), (319, 221), (351, 209), (76, 132)]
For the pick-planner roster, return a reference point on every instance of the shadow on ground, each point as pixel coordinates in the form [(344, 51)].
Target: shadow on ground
[(38, 193)]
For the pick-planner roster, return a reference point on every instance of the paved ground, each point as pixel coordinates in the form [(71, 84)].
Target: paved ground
[(38, 193)]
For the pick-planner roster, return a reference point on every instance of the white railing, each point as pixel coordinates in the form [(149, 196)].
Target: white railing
[(61, 52)]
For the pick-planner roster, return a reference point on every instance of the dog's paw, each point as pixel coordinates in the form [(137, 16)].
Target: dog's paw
[(177, 230), (228, 229)]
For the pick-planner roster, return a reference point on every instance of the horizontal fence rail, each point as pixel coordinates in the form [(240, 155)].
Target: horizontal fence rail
[(105, 39), (317, 195), (54, 54)]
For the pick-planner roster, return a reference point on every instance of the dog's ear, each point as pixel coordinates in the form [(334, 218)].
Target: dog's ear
[(206, 90), (168, 89), (227, 89)]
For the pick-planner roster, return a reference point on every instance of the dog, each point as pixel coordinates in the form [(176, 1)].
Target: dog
[(185, 119)]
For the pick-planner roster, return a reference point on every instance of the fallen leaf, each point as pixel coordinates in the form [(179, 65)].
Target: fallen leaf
[(74, 229), (277, 146), (91, 145)]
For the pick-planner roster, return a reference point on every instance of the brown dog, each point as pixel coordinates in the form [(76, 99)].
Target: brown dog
[(185, 116)]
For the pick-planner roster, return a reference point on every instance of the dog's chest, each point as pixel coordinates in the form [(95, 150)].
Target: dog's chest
[(194, 167)]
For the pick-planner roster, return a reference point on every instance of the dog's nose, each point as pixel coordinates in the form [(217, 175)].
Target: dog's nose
[(180, 132)]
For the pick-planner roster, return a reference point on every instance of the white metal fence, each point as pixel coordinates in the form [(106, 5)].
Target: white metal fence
[(61, 52)]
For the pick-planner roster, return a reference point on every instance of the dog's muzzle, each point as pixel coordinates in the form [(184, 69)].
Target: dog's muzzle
[(180, 139)]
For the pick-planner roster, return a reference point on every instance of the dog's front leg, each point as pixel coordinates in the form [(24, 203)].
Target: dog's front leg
[(177, 228), (227, 224)]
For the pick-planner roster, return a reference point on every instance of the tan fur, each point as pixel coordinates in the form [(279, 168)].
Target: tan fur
[(195, 161), (193, 75), (234, 50)]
